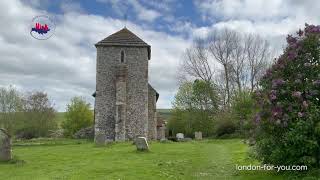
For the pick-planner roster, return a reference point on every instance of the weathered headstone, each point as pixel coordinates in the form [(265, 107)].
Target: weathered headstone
[(142, 144), (198, 135), (162, 133), (5, 146), (180, 136)]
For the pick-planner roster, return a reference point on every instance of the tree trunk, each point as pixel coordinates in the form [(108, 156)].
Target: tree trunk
[(227, 83)]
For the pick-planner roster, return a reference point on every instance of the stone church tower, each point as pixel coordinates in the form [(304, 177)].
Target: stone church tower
[(124, 101)]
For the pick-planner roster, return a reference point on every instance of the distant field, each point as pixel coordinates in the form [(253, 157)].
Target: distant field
[(60, 117), (164, 113)]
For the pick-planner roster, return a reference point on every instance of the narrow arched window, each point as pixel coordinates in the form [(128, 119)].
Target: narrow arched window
[(122, 57)]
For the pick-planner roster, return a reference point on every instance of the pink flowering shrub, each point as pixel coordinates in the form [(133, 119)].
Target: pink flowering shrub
[(288, 121)]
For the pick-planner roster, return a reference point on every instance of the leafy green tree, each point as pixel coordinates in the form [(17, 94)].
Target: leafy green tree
[(184, 97), (205, 96), (10, 106), (194, 105), (243, 109), (78, 116), (37, 117)]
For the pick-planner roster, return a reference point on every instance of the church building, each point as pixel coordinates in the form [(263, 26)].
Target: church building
[(125, 103)]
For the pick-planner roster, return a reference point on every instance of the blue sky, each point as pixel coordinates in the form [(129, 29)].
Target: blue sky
[(64, 65), (161, 15)]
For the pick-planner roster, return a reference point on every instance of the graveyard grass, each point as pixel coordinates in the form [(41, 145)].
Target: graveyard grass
[(79, 159)]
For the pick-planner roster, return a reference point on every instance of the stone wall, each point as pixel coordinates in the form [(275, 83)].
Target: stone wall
[(121, 102), (108, 106), (105, 101), (137, 93), (152, 129)]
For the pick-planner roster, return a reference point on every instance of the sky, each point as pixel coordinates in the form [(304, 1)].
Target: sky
[(64, 65)]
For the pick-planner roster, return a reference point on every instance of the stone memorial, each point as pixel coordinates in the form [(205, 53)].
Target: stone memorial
[(198, 135), (5, 146), (180, 136), (142, 144), (162, 133)]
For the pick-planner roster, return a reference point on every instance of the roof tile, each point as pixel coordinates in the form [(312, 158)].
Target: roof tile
[(124, 37)]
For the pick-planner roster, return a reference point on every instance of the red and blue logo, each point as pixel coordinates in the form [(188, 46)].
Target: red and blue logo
[(42, 27)]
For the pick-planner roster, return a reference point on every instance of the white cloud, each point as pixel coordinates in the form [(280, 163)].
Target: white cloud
[(64, 65), (249, 9), (71, 7), (142, 13), (272, 19)]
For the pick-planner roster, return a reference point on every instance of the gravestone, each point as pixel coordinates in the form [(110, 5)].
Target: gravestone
[(5, 146), (142, 144), (179, 136), (198, 135), (162, 133)]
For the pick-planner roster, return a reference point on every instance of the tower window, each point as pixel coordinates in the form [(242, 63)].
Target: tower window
[(122, 57)]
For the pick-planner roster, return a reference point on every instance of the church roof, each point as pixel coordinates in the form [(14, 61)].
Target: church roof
[(124, 37)]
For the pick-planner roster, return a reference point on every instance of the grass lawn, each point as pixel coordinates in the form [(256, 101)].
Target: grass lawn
[(74, 159)]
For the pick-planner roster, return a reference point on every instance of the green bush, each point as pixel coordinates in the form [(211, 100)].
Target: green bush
[(243, 110), (224, 126), (37, 118), (10, 106), (287, 130), (194, 106), (28, 115), (78, 116)]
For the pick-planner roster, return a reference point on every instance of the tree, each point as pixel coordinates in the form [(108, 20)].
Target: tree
[(194, 105), (10, 106), (183, 98), (205, 96), (243, 110), (78, 116), (221, 46), (238, 63), (38, 116), (258, 55), (196, 61), (243, 58), (288, 123)]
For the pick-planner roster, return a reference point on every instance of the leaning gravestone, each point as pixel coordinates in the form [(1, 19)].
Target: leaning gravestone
[(5, 146), (179, 136), (142, 144), (198, 135)]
